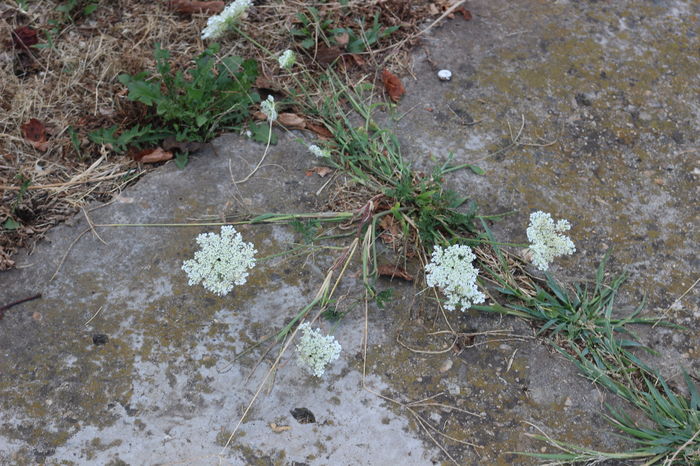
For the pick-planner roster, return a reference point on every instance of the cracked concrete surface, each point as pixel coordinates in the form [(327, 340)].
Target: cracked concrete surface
[(613, 86)]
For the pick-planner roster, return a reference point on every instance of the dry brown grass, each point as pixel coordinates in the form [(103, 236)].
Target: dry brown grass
[(74, 85)]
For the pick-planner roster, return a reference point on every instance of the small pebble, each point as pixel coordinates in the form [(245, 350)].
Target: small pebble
[(446, 366), (100, 339), (444, 75)]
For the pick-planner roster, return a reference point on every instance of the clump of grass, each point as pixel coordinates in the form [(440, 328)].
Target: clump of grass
[(669, 435)]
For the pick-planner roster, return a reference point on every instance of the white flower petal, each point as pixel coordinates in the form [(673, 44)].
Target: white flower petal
[(546, 240)]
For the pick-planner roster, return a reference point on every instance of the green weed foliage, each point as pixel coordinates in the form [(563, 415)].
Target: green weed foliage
[(192, 105)]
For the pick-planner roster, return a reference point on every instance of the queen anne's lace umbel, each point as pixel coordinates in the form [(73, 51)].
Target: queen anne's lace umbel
[(315, 351), (222, 261), (218, 24), (318, 152), (287, 59), (268, 108), (452, 271), (546, 240)]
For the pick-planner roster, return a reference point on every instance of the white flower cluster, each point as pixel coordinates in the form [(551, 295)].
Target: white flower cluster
[(318, 152), (315, 351), (268, 108), (546, 240), (452, 271), (222, 261), (287, 59), (218, 24)]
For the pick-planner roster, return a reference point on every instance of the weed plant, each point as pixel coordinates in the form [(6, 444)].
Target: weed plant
[(212, 96)]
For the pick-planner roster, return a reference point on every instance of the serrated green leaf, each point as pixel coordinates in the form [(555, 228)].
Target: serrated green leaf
[(10, 224), (261, 132), (144, 92), (89, 9)]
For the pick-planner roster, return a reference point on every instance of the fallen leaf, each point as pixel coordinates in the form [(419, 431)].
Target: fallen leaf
[(326, 55), (279, 429), (291, 120), (188, 7), (359, 61), (393, 85), (152, 155), (24, 37), (5, 263), (353, 59), (320, 171), (391, 229), (320, 130), (393, 271), (433, 10), (34, 132), (466, 13), (259, 116)]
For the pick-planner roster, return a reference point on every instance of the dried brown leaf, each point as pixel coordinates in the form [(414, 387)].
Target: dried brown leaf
[(152, 155), (34, 133), (393, 85), (326, 55), (465, 13), (320, 130), (320, 171), (291, 120), (188, 7), (393, 271), (391, 230), (24, 37)]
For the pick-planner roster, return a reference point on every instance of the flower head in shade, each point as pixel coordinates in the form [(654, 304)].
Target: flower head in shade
[(268, 108), (318, 152), (546, 239), (287, 59), (451, 270), (315, 351), (222, 261), (217, 25)]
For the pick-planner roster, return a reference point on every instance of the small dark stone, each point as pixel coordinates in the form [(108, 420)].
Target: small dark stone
[(100, 339), (582, 100), (303, 415)]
